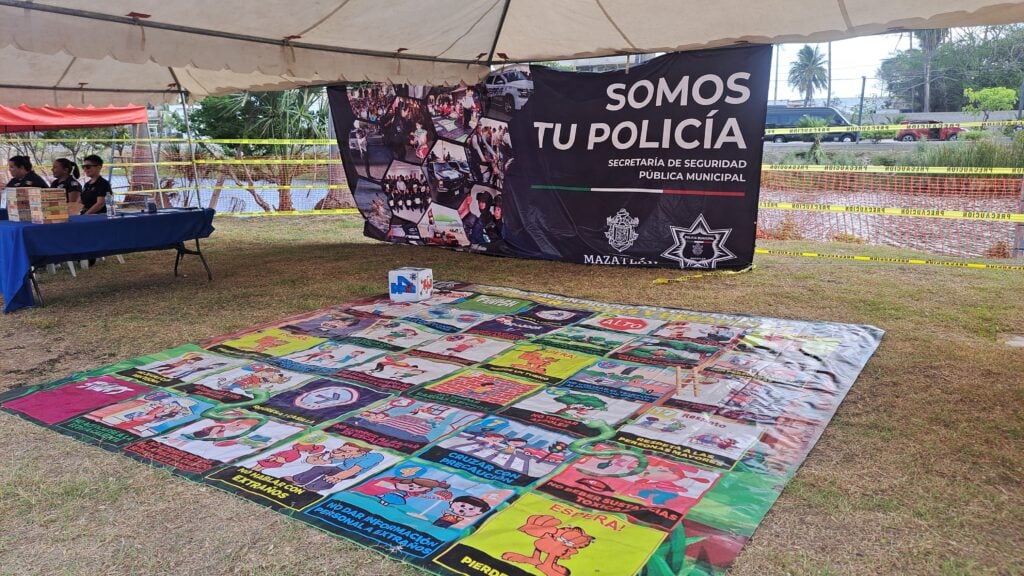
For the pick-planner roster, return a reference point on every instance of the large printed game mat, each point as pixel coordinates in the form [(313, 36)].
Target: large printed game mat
[(487, 431)]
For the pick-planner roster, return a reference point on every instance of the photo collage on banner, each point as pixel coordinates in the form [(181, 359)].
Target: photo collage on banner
[(429, 163), (584, 435)]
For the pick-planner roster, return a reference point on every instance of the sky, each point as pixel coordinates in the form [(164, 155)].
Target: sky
[(851, 59)]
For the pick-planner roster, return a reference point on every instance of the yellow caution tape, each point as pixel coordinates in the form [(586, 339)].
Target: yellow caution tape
[(950, 170), (129, 140), (888, 127), (238, 187), (950, 264), (291, 213), (889, 211), (689, 277)]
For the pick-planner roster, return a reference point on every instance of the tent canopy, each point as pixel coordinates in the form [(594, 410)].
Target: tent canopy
[(228, 45), (26, 118)]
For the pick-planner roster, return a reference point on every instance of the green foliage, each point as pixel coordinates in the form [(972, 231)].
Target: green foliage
[(982, 154), (815, 155), (972, 58), (989, 99), (879, 135), (807, 73), (291, 114), (583, 400), (976, 135)]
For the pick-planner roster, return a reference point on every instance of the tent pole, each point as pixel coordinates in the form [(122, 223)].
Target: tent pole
[(191, 147)]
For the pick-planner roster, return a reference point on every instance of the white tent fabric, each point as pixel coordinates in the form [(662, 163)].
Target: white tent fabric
[(215, 47)]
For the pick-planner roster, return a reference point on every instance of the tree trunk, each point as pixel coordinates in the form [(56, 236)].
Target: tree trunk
[(284, 192), (927, 105), (215, 193)]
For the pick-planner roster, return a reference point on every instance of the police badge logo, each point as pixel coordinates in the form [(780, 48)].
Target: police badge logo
[(326, 397), (621, 230), (699, 246)]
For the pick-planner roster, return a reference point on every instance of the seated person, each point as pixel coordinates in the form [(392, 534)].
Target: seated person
[(65, 175), (22, 175), (96, 188)]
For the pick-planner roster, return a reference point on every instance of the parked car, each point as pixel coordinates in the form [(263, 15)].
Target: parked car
[(509, 89), (938, 133), (450, 176), (786, 117)]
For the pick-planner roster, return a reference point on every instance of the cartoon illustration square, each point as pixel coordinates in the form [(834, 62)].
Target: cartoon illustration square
[(701, 333), (238, 384), (496, 305), (596, 342), (702, 438), (706, 391), (269, 342), (393, 335), (617, 379), (304, 471), (477, 390), (541, 363), (733, 361), (658, 492), (327, 357), (398, 372), (568, 410), (404, 424), (152, 413), (648, 350), (180, 365), (415, 507), (201, 445), (463, 348), (511, 328), (538, 536), (318, 401), (384, 307), (622, 323), (74, 399), (446, 296), (554, 316), (448, 319), (332, 324), (503, 450), (765, 402)]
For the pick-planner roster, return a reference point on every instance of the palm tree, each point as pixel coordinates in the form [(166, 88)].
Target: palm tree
[(808, 72)]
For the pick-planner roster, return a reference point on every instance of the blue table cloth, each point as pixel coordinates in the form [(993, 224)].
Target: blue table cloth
[(24, 245)]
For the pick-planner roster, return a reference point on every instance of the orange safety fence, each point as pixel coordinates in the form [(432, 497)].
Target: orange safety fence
[(965, 217)]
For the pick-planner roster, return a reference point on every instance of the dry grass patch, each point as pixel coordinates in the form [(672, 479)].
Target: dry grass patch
[(920, 472)]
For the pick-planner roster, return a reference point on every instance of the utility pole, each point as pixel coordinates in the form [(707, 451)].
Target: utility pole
[(860, 109), (828, 101)]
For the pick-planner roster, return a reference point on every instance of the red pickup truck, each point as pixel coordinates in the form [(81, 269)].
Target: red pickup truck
[(937, 133)]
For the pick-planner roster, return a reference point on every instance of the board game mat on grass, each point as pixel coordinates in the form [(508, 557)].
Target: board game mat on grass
[(487, 431)]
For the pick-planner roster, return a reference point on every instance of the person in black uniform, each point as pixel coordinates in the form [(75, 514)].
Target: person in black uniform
[(96, 189), (66, 175), (22, 175)]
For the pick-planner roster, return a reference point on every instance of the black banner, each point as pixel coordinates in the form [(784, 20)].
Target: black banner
[(655, 166)]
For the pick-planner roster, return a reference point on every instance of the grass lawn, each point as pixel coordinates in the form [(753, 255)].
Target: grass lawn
[(920, 472)]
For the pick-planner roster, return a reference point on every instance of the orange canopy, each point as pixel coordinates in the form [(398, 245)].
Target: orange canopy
[(27, 118)]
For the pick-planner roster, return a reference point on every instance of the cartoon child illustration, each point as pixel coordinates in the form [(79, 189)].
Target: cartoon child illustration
[(261, 375), (267, 342), (334, 323), (169, 368), (553, 543), (485, 441), (401, 368), (197, 369), (278, 459), (714, 440), (462, 343), (399, 490), (460, 509), (157, 413), (344, 462), (317, 354), (396, 332), (533, 361)]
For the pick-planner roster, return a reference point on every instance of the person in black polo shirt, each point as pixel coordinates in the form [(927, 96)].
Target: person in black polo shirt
[(66, 175), (22, 175), (96, 188)]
